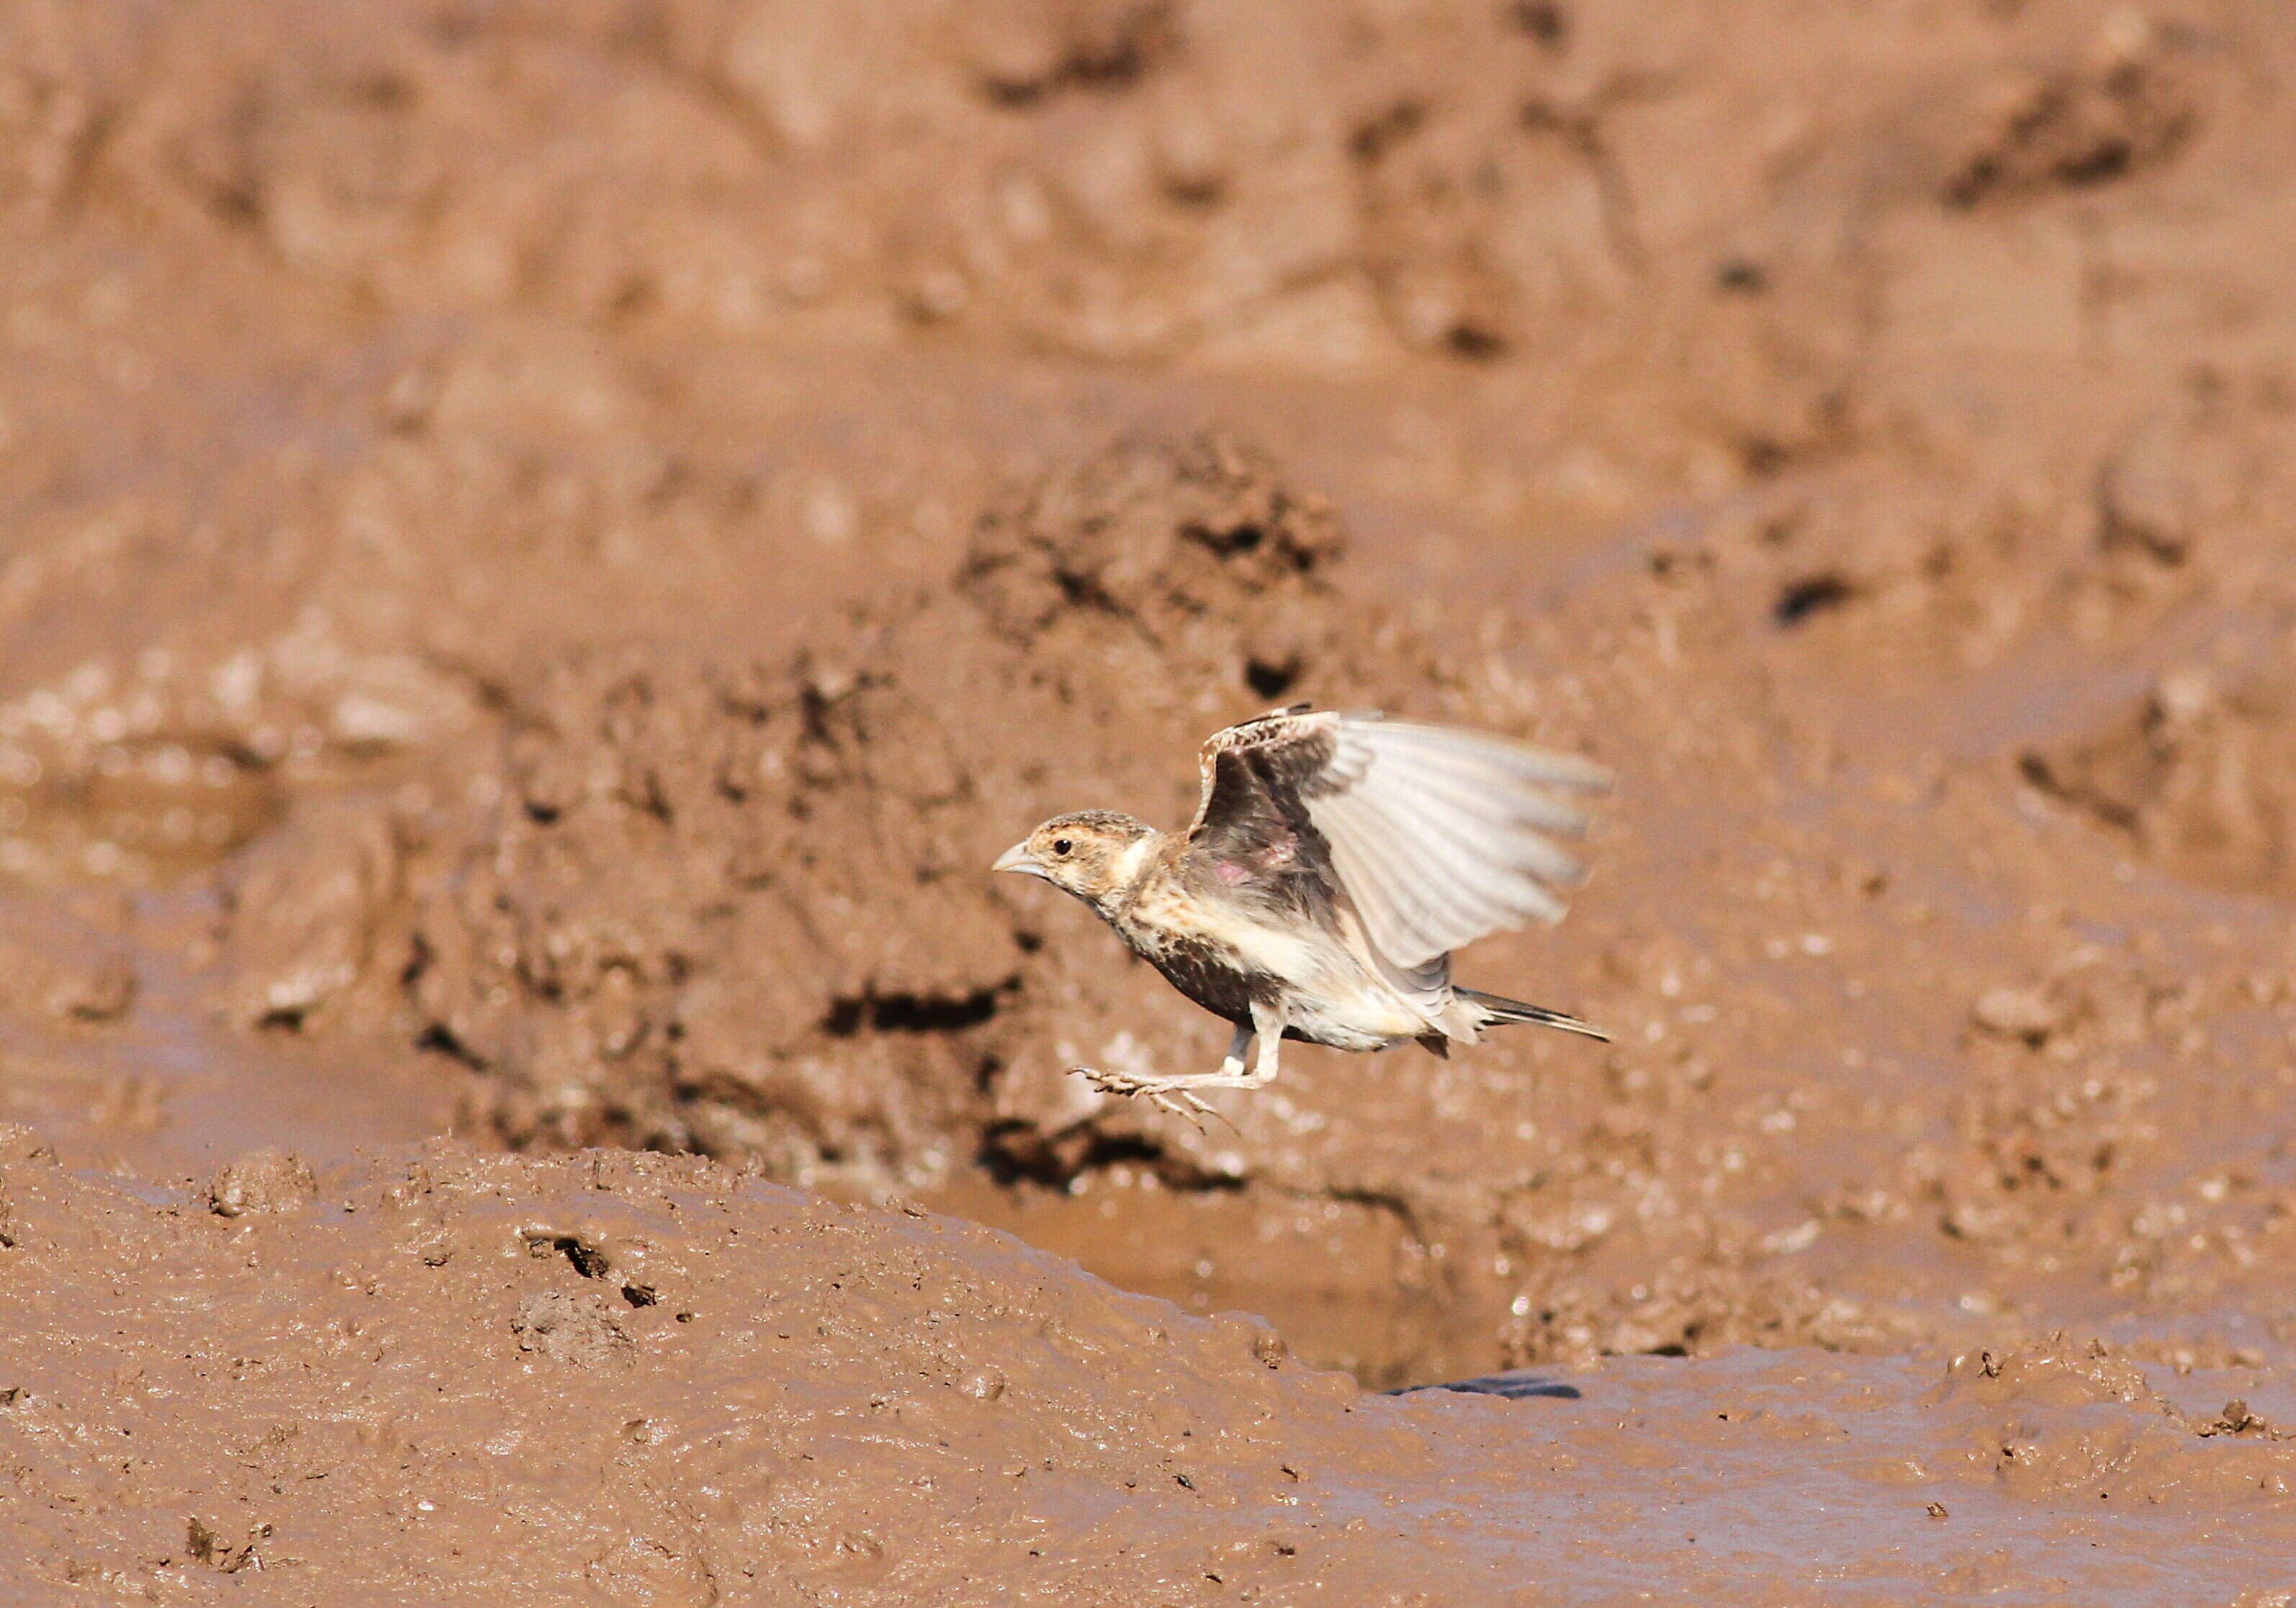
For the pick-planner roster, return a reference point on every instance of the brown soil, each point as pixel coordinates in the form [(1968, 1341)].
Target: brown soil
[(551, 545), (633, 1378)]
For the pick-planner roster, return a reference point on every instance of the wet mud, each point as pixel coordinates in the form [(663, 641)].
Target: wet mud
[(649, 1380), (549, 546)]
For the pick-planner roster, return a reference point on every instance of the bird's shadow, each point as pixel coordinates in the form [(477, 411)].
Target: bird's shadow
[(1514, 1386)]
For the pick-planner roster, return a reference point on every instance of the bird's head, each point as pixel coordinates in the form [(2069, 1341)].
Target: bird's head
[(1094, 854)]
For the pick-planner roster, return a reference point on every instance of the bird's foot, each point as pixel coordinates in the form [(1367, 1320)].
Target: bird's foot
[(1166, 1094)]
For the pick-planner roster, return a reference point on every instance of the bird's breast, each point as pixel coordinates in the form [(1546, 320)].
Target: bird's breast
[(1211, 979), (1214, 954), (1254, 939)]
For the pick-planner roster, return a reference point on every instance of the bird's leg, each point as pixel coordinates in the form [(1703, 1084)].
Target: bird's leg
[(1269, 1024), (1238, 1042), (1178, 1095), (1175, 1094)]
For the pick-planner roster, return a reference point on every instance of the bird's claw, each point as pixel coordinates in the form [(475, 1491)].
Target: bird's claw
[(1164, 1094)]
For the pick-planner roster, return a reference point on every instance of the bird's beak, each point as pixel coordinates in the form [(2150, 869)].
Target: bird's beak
[(1018, 858)]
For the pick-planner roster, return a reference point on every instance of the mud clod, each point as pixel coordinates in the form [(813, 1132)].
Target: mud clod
[(564, 1326), (264, 1181), (2075, 129), (2025, 1013), (587, 1260)]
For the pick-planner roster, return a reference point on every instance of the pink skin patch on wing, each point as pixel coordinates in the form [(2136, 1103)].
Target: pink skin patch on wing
[(1230, 873)]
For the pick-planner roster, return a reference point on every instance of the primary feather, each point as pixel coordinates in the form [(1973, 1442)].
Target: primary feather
[(1435, 836)]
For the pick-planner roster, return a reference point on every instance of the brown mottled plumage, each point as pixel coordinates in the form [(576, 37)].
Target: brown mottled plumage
[(1334, 862)]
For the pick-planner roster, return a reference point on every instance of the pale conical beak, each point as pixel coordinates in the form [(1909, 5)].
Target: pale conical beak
[(1018, 858)]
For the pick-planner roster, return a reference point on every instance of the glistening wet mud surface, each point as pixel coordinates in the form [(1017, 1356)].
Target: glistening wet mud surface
[(650, 1380), (550, 546)]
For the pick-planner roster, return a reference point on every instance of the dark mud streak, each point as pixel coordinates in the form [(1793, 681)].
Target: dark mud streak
[(1811, 595), (902, 1013), (1511, 1387)]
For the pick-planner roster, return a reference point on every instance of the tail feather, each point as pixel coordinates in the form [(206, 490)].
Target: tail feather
[(1498, 1012)]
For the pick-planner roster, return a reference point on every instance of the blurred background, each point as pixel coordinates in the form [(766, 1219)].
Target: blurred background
[(549, 542)]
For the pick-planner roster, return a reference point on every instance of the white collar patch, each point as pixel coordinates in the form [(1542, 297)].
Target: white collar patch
[(1133, 860)]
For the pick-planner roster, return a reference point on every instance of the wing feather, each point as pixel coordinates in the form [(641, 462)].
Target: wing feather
[(1435, 836), (1383, 877), (1419, 898), (1517, 843), (1443, 836), (1452, 870), (1493, 810), (1478, 753)]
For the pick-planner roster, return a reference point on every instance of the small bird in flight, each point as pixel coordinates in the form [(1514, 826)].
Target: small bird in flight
[(1335, 861)]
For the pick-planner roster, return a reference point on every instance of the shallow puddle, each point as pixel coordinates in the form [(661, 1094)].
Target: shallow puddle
[(1345, 1283)]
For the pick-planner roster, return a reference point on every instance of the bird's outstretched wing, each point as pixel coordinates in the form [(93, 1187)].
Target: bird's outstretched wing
[(1435, 836)]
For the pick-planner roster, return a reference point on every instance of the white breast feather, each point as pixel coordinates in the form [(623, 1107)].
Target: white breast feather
[(1271, 949)]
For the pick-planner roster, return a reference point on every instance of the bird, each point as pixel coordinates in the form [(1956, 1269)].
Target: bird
[(1336, 859)]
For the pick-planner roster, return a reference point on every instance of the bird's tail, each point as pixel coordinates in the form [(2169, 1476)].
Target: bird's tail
[(1497, 1012)]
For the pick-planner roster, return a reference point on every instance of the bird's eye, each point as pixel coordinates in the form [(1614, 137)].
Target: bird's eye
[(1061, 846)]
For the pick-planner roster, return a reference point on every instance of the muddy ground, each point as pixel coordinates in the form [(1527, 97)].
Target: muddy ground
[(549, 545)]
